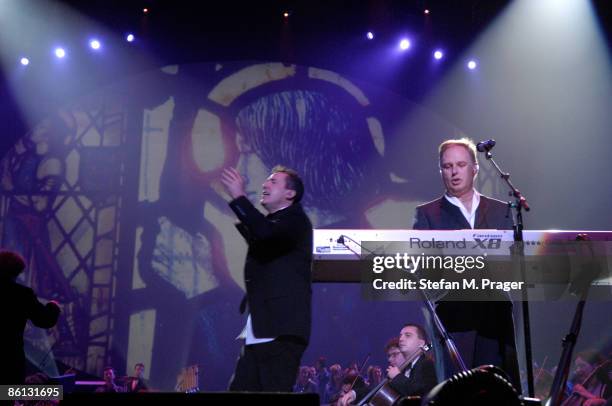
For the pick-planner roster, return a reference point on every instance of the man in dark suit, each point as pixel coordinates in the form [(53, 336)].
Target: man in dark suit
[(277, 278), (19, 304), (415, 380), (484, 330), (138, 383)]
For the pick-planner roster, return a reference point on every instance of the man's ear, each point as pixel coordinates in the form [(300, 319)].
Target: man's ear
[(290, 193)]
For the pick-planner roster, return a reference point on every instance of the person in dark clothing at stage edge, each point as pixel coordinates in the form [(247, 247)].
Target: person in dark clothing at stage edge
[(277, 278), (19, 304), (483, 331), (416, 380)]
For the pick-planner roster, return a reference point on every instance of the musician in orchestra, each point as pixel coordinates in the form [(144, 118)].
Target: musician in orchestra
[(333, 389), (19, 304), (109, 382), (304, 382), (416, 380), (137, 383), (277, 280), (483, 331), (592, 380)]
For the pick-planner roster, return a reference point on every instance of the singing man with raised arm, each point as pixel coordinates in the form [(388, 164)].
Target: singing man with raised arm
[(277, 276)]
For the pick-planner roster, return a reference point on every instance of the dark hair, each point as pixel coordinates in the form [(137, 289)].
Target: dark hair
[(292, 182), (322, 361), (394, 342), (139, 363), (11, 264), (591, 356), (421, 333), (107, 368)]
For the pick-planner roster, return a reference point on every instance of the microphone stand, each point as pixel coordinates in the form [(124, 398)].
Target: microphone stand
[(519, 250), (444, 337), (569, 341)]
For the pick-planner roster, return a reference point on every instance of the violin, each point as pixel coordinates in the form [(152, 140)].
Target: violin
[(383, 394), (577, 399)]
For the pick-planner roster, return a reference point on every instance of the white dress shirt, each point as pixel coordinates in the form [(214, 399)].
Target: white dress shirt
[(470, 216)]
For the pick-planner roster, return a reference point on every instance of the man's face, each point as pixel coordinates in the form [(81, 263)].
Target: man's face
[(395, 357), (139, 370), (274, 193), (409, 341), (582, 369), (458, 170), (304, 373), (109, 375)]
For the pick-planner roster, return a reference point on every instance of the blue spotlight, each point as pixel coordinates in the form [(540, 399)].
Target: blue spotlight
[(129, 38), (438, 54), (25, 61), (60, 52), (404, 44), (95, 44), (370, 35), (472, 64)]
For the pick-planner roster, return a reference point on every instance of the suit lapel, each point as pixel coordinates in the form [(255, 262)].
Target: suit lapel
[(481, 213), (452, 215)]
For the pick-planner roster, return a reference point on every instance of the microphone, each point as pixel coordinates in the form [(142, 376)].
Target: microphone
[(485, 146)]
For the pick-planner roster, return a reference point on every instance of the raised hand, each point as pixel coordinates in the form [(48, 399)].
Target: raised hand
[(233, 182)]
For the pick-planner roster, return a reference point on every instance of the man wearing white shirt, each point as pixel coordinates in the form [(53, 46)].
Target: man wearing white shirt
[(485, 330), (417, 379), (277, 281)]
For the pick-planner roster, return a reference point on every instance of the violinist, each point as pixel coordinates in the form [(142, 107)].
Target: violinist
[(592, 380), (417, 379)]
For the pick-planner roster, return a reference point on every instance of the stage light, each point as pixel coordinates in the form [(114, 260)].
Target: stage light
[(25, 61), (286, 14), (95, 44), (370, 35), (404, 44), (426, 11), (438, 54), (60, 52), (145, 10), (129, 38), (472, 64)]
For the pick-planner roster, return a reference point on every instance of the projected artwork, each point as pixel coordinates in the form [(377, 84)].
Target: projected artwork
[(115, 202), (61, 204)]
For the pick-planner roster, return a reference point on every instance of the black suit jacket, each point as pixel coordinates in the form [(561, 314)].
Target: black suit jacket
[(19, 304), (422, 379), (277, 272), (490, 319), (441, 214)]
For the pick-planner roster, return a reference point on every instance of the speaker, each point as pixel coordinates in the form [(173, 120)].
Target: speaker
[(201, 398), (482, 386)]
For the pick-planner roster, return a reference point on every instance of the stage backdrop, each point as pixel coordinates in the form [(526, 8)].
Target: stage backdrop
[(114, 199)]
